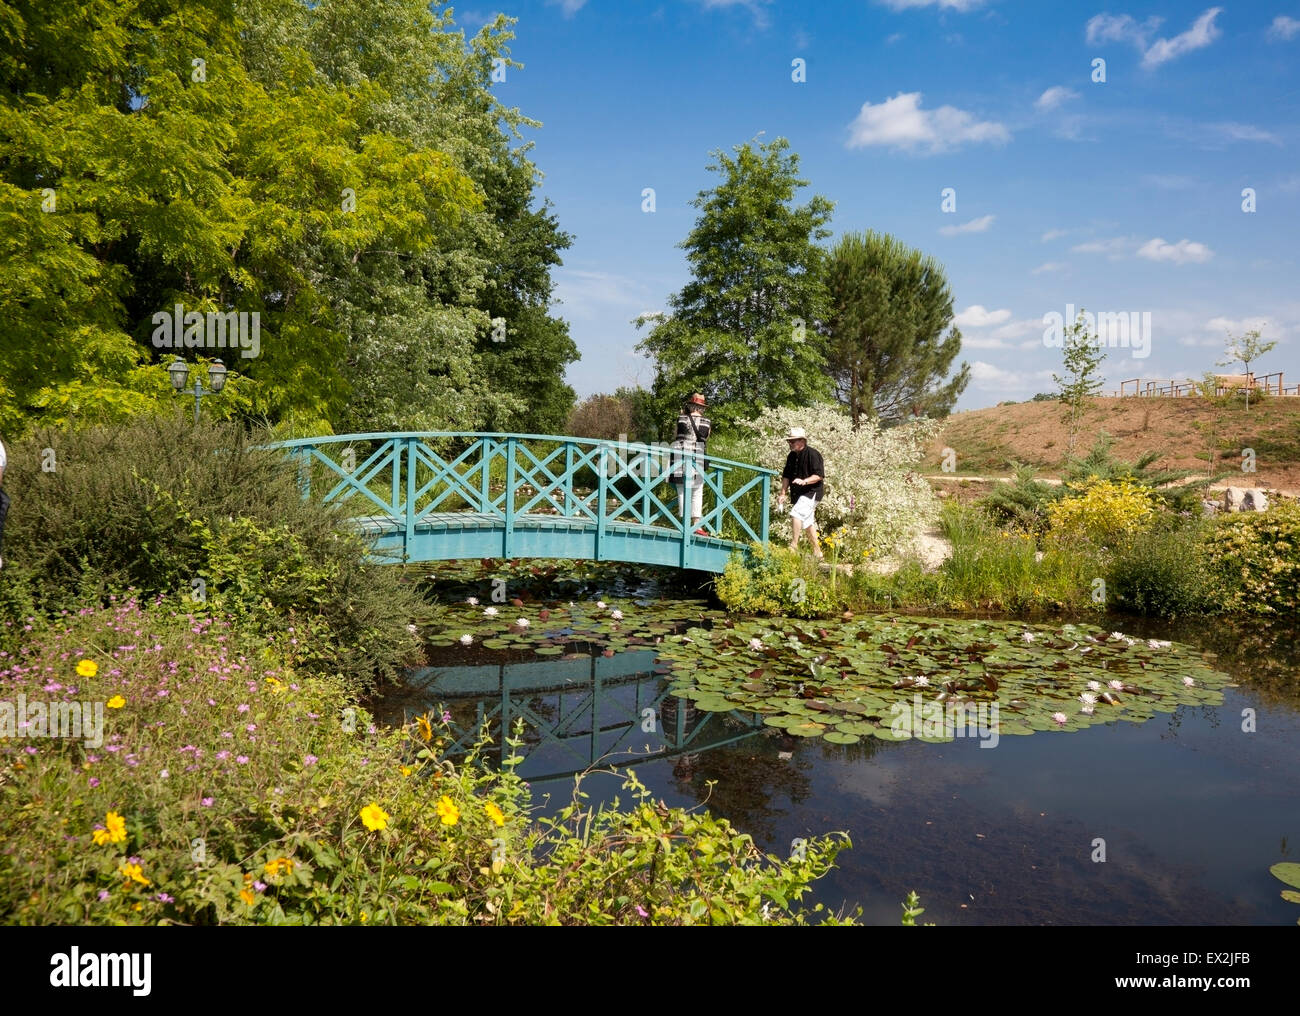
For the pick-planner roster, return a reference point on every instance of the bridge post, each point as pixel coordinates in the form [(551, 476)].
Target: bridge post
[(767, 494), (410, 489), (304, 469), (508, 540), (602, 488)]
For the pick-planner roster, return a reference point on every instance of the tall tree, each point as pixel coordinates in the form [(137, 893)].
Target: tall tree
[(1083, 356), (891, 344), (743, 331)]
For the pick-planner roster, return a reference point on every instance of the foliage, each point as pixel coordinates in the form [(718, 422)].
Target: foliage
[(1021, 504), (743, 329), (773, 580), (1101, 512), (1257, 557), (1164, 484), (873, 491), (1163, 572), (347, 175), (912, 909), (890, 306), (625, 414), (163, 507), (232, 788), (1288, 873), (1083, 356)]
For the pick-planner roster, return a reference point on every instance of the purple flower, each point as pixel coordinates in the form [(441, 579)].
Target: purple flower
[(310, 760), (103, 895), (242, 759), (243, 707), (94, 782), (446, 716), (251, 727), (164, 898), (207, 802), (642, 910), (222, 756)]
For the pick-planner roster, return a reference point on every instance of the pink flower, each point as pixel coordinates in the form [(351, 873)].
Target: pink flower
[(242, 759), (207, 802), (1060, 719)]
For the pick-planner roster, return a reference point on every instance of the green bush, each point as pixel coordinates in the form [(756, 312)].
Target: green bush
[(231, 788), (1256, 557), (764, 579), (1164, 572), (161, 507), (1021, 504)]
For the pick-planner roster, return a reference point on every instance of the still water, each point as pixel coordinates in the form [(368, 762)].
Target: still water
[(1188, 809)]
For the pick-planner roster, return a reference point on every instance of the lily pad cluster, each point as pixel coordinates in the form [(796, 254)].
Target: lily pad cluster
[(899, 677), (890, 677)]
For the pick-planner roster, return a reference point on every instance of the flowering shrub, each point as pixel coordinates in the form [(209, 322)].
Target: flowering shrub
[(873, 491), (773, 580), (1102, 512), (1257, 557), (228, 788)]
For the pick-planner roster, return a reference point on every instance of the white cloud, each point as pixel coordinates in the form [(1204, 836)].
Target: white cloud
[(974, 226), (584, 295), (1115, 248), (1180, 253), (1244, 132), (756, 8), (1291, 185), (1125, 28), (901, 123), (1283, 28), (1052, 234), (990, 376), (953, 5), (975, 316), (567, 7), (1054, 96), (1237, 326), (1049, 266)]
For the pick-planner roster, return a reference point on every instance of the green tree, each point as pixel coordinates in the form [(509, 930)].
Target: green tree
[(744, 330), (890, 307), (1083, 356), (1245, 349)]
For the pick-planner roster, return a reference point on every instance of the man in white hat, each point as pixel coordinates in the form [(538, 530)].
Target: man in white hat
[(803, 473)]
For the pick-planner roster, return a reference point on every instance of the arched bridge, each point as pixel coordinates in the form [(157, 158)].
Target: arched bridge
[(436, 496)]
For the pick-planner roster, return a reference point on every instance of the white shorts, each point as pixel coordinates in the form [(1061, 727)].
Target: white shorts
[(803, 511)]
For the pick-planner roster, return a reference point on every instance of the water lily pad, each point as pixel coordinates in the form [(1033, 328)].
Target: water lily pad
[(838, 737), (1288, 872)]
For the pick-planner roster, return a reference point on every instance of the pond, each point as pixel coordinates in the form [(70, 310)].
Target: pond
[(1180, 770)]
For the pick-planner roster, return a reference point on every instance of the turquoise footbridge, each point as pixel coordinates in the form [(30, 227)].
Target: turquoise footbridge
[(448, 495)]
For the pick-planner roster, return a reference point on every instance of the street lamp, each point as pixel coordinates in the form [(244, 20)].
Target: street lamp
[(180, 371)]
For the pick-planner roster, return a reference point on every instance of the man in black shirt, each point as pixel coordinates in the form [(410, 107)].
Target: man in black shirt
[(804, 473)]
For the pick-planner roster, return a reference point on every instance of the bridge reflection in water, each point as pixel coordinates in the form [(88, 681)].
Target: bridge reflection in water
[(577, 712)]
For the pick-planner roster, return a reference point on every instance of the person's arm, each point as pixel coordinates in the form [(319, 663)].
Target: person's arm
[(817, 464)]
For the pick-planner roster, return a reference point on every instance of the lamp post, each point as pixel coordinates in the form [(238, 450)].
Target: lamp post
[(180, 370)]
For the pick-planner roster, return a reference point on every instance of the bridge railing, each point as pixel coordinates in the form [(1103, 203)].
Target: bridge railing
[(404, 479)]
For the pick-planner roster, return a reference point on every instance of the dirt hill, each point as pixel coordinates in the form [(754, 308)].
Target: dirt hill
[(1189, 433)]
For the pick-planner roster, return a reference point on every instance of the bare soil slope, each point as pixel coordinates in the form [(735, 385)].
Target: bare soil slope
[(1189, 433)]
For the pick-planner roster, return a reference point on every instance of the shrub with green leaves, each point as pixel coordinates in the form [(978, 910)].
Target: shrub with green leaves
[(1256, 555), (229, 787), (162, 507), (1163, 572), (764, 579)]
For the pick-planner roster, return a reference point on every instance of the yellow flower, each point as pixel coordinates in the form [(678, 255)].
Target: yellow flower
[(116, 702), (115, 831), (87, 668), (406, 770), (374, 817), (494, 813), (447, 810), (133, 873), (280, 865), (248, 897), (273, 685), (422, 727)]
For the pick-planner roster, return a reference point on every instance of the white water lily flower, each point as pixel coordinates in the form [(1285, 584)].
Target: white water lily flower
[(600, 604), (756, 644), (1088, 699), (1117, 634), (1094, 686), (1188, 682), (921, 681), (411, 628), (489, 611), (472, 601), (1117, 685), (617, 615), (1087, 710), (1159, 643), (466, 639), (1028, 636), (1060, 718), (523, 622)]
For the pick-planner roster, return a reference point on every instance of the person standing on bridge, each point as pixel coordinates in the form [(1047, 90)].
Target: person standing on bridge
[(693, 429), (803, 473)]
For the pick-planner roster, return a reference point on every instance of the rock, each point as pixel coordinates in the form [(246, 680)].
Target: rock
[(1244, 499), (1210, 507), (1255, 501)]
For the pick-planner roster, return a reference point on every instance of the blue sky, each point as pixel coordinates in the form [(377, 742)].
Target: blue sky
[(1123, 195)]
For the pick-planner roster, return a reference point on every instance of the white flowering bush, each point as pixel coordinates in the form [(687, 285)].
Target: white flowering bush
[(875, 502)]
